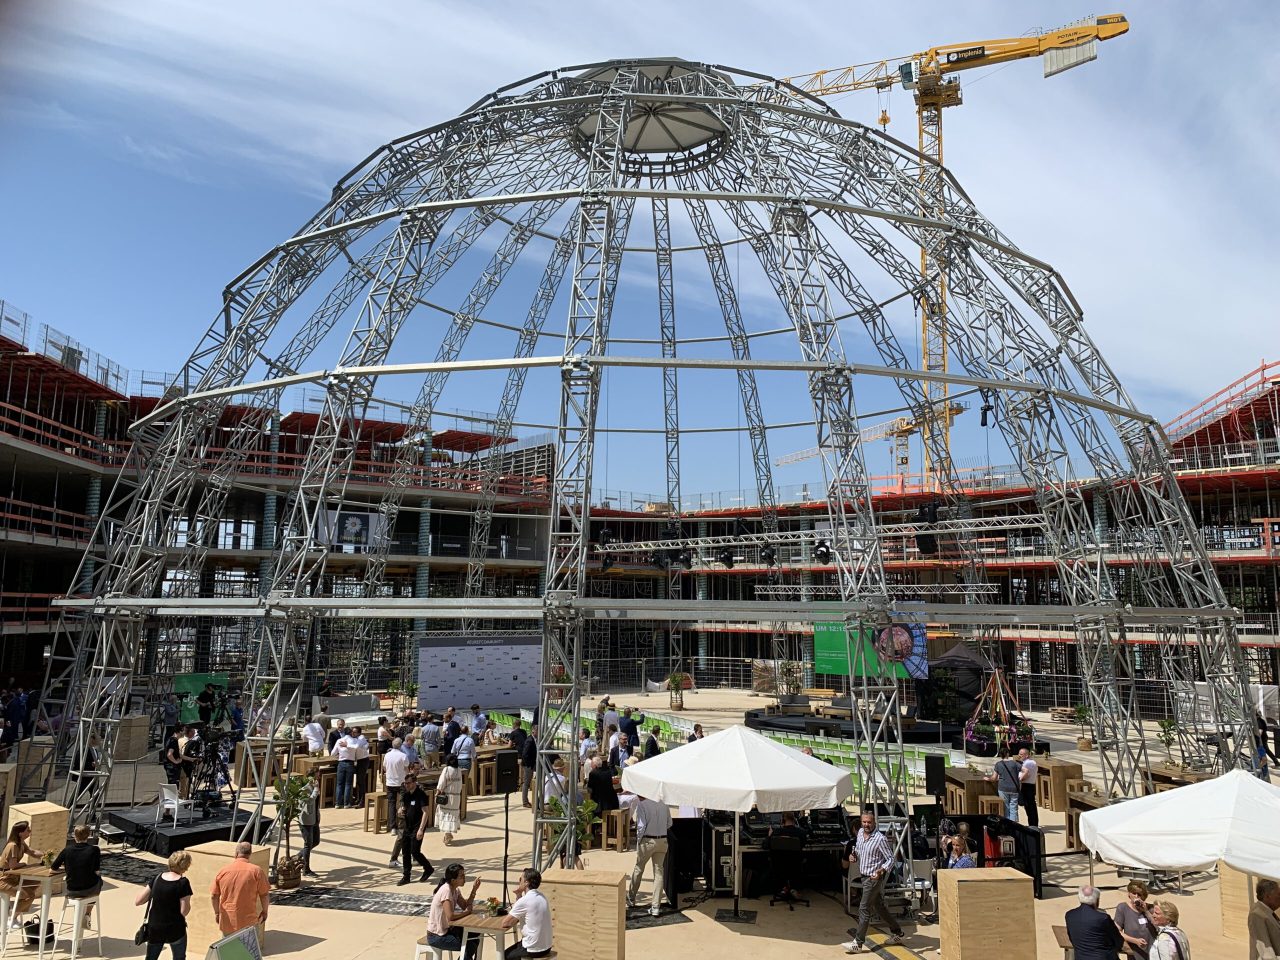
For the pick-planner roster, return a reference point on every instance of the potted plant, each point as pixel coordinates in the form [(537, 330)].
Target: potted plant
[(676, 682), (1083, 716), (411, 694), (585, 815), (290, 796), (1167, 735), (790, 683), (560, 682), (393, 691)]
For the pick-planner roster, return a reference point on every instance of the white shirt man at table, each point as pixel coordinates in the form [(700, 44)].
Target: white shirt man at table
[(315, 735), (532, 910)]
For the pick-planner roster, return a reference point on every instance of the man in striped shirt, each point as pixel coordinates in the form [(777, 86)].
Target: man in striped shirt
[(874, 853)]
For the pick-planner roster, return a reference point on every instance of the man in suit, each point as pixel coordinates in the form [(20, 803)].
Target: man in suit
[(619, 754), (629, 726), (651, 746), (1093, 934), (1264, 929), (600, 786)]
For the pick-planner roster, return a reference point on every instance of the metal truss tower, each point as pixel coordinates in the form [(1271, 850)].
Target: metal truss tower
[(529, 199)]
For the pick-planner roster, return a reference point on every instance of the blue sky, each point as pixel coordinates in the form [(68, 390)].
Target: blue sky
[(150, 150)]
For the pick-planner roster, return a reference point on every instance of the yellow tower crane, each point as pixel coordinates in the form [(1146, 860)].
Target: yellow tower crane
[(927, 74)]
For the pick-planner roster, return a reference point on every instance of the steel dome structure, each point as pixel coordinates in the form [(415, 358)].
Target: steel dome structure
[(543, 196)]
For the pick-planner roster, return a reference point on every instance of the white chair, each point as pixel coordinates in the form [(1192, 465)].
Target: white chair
[(923, 872), (169, 801), (423, 949), (78, 910), (6, 909)]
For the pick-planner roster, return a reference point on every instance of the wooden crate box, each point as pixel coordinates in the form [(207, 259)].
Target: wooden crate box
[(48, 824), (206, 860), (132, 738), (588, 913), (983, 914)]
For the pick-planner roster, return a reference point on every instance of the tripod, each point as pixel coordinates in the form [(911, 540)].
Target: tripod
[(208, 777)]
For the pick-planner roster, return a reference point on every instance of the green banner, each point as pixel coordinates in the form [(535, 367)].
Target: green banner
[(830, 655)]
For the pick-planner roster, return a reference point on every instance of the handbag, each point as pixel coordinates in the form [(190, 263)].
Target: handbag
[(144, 932), (31, 932)]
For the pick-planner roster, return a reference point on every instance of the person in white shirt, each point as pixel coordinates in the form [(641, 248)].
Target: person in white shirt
[(557, 785), (314, 734), (394, 766), (1027, 790), (586, 743), (345, 750), (532, 910), (360, 783), (1170, 942), (652, 820)]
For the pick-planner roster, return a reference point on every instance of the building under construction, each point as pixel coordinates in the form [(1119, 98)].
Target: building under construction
[(224, 519)]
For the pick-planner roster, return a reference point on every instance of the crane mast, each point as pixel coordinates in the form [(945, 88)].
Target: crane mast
[(928, 75)]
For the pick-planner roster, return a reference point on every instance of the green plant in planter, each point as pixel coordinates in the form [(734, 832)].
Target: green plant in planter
[(411, 693), (290, 795), (586, 813), (676, 680), (559, 674), (1083, 716), (790, 678), (393, 689), (1167, 735)]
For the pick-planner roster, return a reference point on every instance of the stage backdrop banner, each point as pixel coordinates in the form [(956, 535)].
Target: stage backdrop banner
[(494, 670), (187, 685), (902, 643)]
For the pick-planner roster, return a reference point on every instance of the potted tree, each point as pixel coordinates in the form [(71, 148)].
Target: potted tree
[(790, 683), (585, 815), (676, 682), (1083, 716), (393, 691), (560, 682), (411, 695), (1167, 735), (290, 796)]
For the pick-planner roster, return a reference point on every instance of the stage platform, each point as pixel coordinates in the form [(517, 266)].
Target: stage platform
[(922, 732), (141, 832)]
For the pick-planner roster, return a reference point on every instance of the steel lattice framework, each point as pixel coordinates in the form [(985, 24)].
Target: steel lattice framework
[(536, 196)]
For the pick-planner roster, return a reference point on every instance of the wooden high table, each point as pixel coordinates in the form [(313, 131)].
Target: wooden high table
[(1172, 775), (45, 876), (1051, 782), (487, 927), (1078, 803), (964, 787)]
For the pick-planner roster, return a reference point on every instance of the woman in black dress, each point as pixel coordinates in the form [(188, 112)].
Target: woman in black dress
[(82, 861), (170, 896)]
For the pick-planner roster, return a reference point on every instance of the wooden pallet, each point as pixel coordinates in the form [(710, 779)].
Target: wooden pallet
[(1063, 715)]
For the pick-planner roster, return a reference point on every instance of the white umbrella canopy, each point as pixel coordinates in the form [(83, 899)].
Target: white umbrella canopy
[(737, 769), (1231, 818)]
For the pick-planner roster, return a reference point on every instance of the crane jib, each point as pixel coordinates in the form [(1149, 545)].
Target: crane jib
[(968, 53)]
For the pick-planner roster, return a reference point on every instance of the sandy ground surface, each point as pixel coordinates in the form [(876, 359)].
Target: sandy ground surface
[(353, 859)]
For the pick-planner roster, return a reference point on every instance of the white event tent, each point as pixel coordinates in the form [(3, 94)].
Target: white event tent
[(738, 769), (1230, 818)]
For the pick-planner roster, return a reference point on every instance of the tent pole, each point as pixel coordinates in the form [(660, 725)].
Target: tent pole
[(1091, 868), (737, 864)]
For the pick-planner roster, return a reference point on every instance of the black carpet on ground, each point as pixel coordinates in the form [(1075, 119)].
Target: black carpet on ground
[(358, 901), (129, 869), (638, 918)]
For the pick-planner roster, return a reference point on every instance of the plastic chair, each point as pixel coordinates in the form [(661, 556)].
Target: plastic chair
[(169, 800), (78, 910), (923, 873)]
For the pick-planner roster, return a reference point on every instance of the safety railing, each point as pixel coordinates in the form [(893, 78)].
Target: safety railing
[(41, 520)]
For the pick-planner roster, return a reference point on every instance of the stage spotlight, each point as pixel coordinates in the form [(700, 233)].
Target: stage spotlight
[(768, 556), (822, 552), (685, 559), (606, 537), (658, 560), (725, 556), (987, 408)]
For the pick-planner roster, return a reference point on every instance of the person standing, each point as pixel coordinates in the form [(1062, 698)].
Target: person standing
[(611, 718), (651, 746), (528, 765), (313, 732), (337, 733), (169, 896), (518, 736), (204, 703), (464, 748), (1008, 781), (629, 726), (532, 910), (449, 800), (586, 743), (697, 733), (619, 754), (653, 820), (345, 750), (240, 893), (1027, 786), (1093, 935), (412, 820), (395, 767), (237, 719), (1170, 942), (600, 787), (875, 860), (169, 711), (451, 731), (309, 823), (1133, 921), (82, 861), (430, 740), (479, 723), (172, 761), (1264, 928), (360, 777)]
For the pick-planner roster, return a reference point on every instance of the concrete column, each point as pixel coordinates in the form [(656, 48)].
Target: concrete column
[(270, 511), (93, 502), (703, 589), (421, 589), (806, 582), (660, 636)]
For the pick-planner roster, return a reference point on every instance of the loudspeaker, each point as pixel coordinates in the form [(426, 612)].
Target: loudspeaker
[(935, 775), (506, 772)]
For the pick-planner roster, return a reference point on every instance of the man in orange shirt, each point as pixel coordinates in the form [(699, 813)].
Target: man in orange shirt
[(236, 891)]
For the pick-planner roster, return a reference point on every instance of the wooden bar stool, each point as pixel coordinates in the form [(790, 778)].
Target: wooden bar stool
[(488, 778), (376, 803), (992, 805), (431, 807), (617, 829), (328, 782)]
